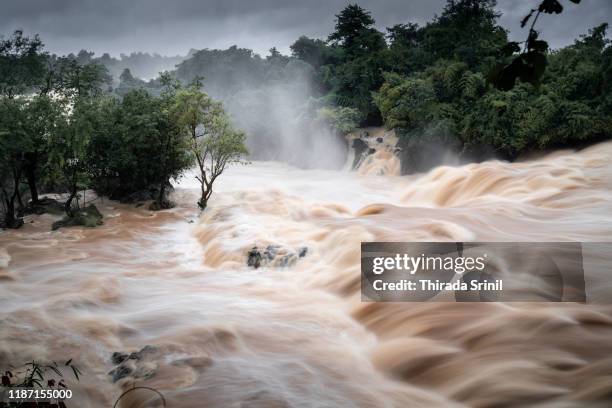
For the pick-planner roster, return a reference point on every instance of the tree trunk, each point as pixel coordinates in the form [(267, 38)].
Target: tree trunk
[(30, 171), (68, 203), (9, 217), (206, 193), (10, 220), (203, 201), (162, 194), (20, 202)]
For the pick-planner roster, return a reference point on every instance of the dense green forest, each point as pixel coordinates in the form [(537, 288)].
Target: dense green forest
[(73, 122), (430, 83), (62, 129)]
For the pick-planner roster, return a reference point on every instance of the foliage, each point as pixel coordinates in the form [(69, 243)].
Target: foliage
[(69, 145), (359, 49), (214, 142), (530, 63), (567, 108), (137, 146), (38, 375), (342, 119), (22, 64)]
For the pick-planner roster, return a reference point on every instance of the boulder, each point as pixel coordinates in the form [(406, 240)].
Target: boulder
[(45, 206), (120, 372), (137, 364), (360, 147), (118, 357), (274, 255), (88, 217), (164, 205), (424, 151), (254, 258)]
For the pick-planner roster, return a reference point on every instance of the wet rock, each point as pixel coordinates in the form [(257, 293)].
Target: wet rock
[(254, 258), (360, 148), (139, 364), (44, 206), (88, 217), (120, 372), (287, 260), (271, 251), (424, 151), (118, 357), (274, 255), (163, 205)]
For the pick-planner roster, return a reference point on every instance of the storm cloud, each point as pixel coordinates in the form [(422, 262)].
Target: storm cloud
[(175, 27)]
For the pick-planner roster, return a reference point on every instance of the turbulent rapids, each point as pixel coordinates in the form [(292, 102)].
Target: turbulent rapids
[(226, 335)]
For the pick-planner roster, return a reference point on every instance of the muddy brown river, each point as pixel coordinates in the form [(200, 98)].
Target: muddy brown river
[(226, 335)]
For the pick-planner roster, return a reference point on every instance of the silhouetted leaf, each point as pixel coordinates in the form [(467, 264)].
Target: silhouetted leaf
[(550, 7), (76, 372), (526, 18), (56, 370)]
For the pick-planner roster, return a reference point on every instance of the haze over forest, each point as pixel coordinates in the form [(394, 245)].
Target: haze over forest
[(173, 28)]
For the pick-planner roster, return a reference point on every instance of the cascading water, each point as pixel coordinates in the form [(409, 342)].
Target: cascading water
[(227, 335)]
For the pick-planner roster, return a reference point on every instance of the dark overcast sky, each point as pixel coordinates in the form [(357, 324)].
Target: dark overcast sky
[(173, 27)]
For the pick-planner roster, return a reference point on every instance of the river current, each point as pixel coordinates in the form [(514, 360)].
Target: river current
[(227, 335)]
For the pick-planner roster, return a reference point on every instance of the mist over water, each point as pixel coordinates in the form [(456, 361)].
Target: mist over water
[(276, 105), (228, 335)]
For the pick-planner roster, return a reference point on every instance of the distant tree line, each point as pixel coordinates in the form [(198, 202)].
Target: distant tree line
[(62, 131), (438, 83), (456, 82)]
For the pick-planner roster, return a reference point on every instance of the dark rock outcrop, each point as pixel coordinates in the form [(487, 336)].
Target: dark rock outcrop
[(274, 255), (118, 357), (88, 217), (254, 258), (164, 205), (421, 152), (45, 206), (138, 364), (360, 147)]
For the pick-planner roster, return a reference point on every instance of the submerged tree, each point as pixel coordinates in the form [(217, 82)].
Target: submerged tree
[(69, 148), (214, 142), (172, 143)]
